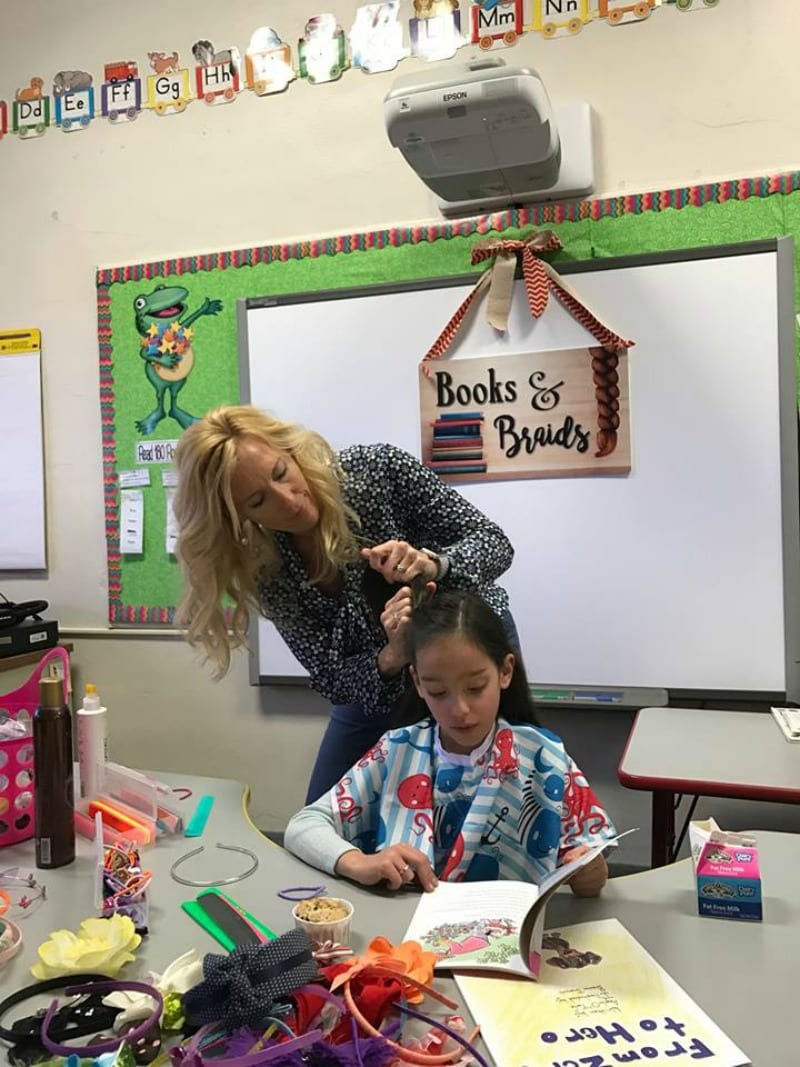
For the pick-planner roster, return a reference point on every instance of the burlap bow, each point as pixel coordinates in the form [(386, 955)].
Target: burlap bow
[(540, 278)]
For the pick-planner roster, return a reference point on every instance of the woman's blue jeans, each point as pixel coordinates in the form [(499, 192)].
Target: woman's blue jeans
[(349, 734)]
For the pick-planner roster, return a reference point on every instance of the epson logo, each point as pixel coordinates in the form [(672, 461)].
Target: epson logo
[(461, 95)]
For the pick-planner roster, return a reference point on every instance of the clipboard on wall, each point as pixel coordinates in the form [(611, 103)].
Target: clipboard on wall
[(22, 489)]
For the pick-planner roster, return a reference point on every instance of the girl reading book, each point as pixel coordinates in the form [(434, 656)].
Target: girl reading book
[(468, 786)]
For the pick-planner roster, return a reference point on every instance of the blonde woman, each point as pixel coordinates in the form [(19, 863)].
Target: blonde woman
[(271, 517)]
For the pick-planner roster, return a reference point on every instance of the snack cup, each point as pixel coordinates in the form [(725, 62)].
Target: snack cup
[(339, 930)]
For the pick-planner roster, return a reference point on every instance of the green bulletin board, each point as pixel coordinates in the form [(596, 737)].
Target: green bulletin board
[(200, 294)]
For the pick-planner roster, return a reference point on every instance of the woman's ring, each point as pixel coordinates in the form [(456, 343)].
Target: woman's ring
[(400, 568)]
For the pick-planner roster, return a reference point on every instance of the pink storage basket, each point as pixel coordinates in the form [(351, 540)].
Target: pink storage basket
[(16, 757)]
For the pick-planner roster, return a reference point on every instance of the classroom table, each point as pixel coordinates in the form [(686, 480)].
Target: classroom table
[(744, 975), (710, 753)]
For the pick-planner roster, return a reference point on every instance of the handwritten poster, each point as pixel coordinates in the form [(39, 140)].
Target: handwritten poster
[(601, 1000)]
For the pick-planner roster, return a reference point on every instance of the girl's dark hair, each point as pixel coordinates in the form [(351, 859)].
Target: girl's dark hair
[(468, 616)]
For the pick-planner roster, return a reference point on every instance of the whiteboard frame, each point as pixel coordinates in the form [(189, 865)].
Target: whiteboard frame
[(789, 424), (28, 557)]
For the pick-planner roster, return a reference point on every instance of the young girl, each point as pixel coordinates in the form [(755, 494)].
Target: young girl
[(468, 787)]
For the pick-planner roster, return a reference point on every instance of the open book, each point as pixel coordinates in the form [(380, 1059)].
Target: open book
[(601, 999), (490, 925)]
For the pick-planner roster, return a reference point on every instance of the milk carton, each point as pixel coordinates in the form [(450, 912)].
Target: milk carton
[(726, 872)]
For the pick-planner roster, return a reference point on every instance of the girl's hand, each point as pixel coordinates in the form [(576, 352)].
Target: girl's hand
[(395, 620), (398, 561), (589, 880), (397, 865), (574, 854)]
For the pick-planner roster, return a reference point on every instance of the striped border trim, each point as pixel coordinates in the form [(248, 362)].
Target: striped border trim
[(394, 237), (117, 611)]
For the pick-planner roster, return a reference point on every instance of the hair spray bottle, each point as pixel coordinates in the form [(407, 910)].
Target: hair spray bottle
[(54, 797)]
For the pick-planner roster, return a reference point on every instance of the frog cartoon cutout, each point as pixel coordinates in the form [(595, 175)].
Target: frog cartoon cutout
[(164, 325)]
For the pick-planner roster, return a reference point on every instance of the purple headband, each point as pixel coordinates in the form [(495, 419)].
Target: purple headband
[(110, 1044)]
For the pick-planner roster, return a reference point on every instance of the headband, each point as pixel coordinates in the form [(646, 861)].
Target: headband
[(28, 1028), (109, 1044)]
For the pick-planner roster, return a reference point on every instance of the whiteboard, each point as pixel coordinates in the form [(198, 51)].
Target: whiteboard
[(684, 575), (22, 501)]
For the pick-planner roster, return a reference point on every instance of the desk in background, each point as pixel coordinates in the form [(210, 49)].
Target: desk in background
[(702, 752), (658, 907)]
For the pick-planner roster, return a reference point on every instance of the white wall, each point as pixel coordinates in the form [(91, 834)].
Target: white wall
[(680, 99)]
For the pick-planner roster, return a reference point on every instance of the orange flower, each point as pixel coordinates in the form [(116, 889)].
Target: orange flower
[(407, 959)]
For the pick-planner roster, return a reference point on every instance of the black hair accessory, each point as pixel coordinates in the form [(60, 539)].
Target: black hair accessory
[(242, 988), (87, 1015)]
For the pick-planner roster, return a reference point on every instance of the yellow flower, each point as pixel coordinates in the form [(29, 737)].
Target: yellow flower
[(101, 945)]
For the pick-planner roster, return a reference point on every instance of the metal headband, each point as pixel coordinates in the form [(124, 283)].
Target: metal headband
[(219, 881)]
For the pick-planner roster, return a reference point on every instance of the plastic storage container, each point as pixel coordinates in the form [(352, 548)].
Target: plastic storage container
[(16, 756)]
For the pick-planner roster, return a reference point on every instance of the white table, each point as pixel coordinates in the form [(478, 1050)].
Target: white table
[(743, 975), (709, 753)]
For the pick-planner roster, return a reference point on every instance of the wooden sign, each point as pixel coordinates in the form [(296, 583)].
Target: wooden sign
[(533, 415)]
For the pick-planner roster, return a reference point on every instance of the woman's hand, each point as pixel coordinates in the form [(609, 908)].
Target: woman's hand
[(395, 620), (397, 865), (588, 881), (398, 561)]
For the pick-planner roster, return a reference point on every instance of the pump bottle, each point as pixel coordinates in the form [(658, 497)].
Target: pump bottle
[(92, 742)]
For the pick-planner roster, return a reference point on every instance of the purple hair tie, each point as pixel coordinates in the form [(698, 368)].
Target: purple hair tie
[(302, 892), (108, 1045)]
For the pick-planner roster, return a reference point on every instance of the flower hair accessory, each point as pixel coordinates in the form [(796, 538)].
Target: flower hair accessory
[(406, 960), (103, 945), (181, 975)]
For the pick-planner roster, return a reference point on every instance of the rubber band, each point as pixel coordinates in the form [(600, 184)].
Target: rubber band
[(184, 790), (302, 892)]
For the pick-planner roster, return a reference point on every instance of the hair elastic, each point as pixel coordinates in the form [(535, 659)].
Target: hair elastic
[(302, 892)]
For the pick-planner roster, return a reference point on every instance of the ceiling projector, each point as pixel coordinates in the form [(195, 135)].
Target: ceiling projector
[(486, 136)]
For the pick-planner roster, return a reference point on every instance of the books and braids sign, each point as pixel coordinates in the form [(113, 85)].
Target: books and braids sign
[(549, 414)]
